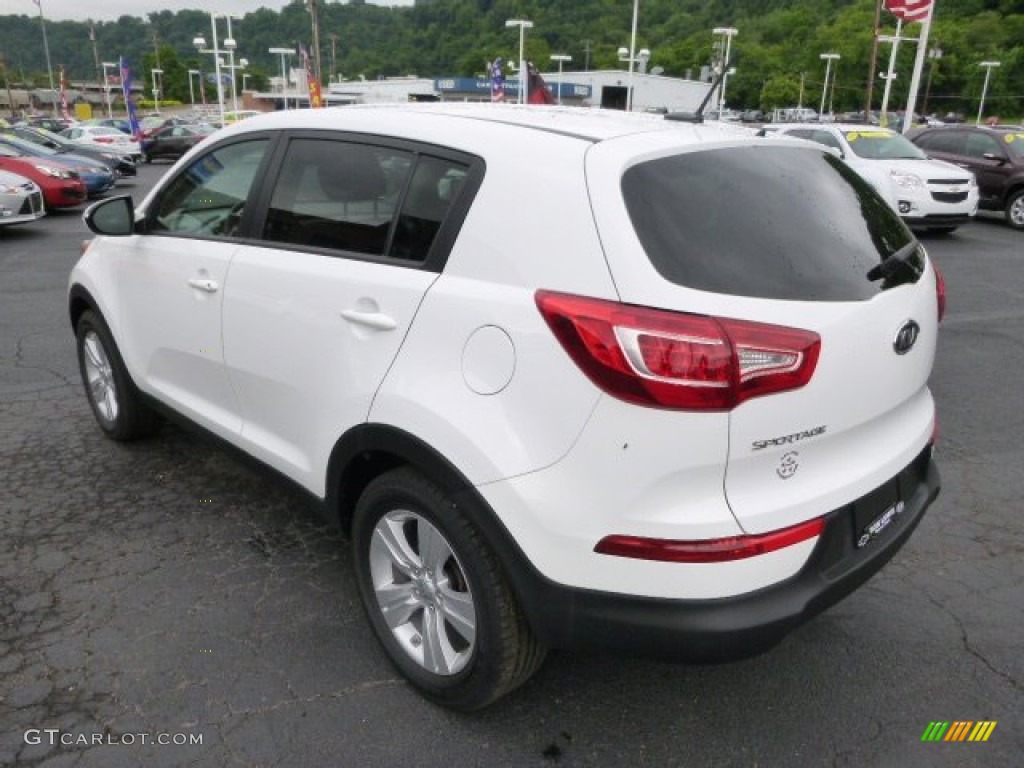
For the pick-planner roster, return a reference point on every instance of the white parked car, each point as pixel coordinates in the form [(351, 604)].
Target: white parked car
[(104, 137), (928, 194), (21, 200), (567, 377)]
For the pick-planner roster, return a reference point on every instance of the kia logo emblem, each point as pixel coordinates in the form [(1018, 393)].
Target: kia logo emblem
[(906, 337)]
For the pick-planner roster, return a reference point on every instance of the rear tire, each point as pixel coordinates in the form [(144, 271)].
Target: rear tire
[(436, 596), (1015, 209), (115, 402)]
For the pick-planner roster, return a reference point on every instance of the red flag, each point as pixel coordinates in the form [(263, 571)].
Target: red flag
[(538, 93), (909, 10)]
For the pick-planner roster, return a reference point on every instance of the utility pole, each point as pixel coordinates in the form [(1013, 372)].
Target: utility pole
[(871, 66), (586, 55), (313, 12), (95, 55), (334, 66)]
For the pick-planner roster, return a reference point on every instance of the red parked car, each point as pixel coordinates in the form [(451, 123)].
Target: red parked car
[(62, 187)]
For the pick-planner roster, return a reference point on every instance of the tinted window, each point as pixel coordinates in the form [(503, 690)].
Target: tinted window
[(981, 144), (360, 198), (207, 198), (943, 141), (771, 222), (1014, 143)]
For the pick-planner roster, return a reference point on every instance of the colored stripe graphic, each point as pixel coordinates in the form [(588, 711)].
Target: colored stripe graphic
[(982, 730), (958, 730)]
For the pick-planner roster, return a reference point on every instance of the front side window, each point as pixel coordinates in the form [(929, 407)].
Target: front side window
[(981, 144), (207, 198), (360, 198)]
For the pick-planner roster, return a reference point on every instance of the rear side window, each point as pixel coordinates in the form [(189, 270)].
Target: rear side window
[(951, 142), (762, 221), (981, 144)]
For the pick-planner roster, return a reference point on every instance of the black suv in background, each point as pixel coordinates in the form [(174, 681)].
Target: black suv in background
[(995, 155)]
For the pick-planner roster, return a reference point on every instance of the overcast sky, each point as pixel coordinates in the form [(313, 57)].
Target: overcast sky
[(111, 10)]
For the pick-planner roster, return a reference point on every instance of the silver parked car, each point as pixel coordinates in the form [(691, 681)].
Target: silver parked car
[(21, 200)]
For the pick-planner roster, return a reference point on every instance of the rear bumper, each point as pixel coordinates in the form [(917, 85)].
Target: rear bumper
[(730, 628)]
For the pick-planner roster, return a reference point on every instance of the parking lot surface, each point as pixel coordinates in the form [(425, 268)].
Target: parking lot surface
[(166, 604)]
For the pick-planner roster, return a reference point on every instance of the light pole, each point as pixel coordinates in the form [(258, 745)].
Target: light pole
[(524, 75), (106, 86), (632, 56), (984, 89), (561, 58), (229, 46), (191, 90), (200, 43), (934, 54), (729, 33), (828, 58), (156, 89), (284, 77), (642, 57), (46, 50)]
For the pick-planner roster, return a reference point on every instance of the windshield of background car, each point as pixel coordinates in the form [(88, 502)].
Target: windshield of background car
[(882, 145), (763, 221), (1014, 143)]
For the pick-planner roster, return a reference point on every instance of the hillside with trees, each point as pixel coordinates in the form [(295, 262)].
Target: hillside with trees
[(777, 48)]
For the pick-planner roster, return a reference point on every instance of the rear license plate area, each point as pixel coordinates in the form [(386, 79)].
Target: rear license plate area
[(875, 512)]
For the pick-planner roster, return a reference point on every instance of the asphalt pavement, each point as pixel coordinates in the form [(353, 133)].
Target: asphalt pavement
[(166, 604)]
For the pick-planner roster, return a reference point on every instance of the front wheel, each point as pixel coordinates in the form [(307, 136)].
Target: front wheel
[(436, 596), (1015, 210), (112, 395)]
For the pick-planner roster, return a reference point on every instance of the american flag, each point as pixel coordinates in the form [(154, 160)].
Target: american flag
[(497, 81), (909, 10)]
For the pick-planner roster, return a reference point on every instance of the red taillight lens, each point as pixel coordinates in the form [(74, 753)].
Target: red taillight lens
[(710, 550), (103, 139), (940, 290), (675, 360)]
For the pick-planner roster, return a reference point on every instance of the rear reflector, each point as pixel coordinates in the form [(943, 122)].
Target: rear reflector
[(709, 550), (677, 360)]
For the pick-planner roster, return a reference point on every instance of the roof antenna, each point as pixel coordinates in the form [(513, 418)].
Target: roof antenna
[(698, 116)]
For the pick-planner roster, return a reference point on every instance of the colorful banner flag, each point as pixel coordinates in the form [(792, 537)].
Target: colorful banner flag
[(497, 81), (126, 90), (315, 96), (909, 10), (64, 96)]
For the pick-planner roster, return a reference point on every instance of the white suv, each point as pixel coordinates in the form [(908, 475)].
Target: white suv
[(567, 377), (928, 194)]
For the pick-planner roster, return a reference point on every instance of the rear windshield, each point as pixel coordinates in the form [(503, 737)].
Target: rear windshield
[(763, 221)]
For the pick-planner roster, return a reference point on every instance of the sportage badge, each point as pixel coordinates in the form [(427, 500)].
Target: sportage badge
[(906, 337)]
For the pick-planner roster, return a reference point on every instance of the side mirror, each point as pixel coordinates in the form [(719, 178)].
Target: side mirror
[(114, 216), (995, 158)]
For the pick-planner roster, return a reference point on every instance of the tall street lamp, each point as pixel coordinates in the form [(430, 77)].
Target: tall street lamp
[(284, 76), (524, 75), (156, 89), (641, 58), (191, 90), (106, 85), (729, 33), (200, 43), (632, 56), (828, 58), (988, 65), (561, 58), (229, 46), (46, 50)]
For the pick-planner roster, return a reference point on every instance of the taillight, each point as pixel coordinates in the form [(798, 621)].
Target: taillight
[(709, 550), (676, 360), (940, 290), (103, 140)]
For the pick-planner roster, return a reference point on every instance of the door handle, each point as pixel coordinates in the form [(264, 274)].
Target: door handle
[(204, 284), (376, 320)]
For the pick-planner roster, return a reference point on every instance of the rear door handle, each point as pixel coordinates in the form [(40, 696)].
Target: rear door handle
[(376, 320), (204, 284)]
